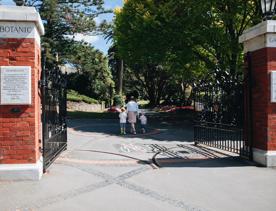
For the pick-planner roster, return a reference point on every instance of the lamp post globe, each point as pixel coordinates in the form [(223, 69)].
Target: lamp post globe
[(268, 8), (19, 2)]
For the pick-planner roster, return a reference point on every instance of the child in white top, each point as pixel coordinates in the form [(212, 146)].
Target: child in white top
[(123, 118), (143, 120)]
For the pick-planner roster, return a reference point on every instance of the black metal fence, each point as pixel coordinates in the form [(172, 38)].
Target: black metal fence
[(54, 131), (220, 118), (220, 136)]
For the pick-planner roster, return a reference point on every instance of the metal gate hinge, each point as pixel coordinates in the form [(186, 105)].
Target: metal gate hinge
[(41, 83)]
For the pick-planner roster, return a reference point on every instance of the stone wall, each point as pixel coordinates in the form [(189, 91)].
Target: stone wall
[(81, 106)]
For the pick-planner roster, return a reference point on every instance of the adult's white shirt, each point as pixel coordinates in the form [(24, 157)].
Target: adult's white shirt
[(132, 106)]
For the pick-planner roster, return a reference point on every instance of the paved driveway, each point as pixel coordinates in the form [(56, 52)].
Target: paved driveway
[(160, 171)]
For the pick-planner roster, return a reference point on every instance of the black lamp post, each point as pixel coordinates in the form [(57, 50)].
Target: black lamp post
[(19, 2), (268, 9)]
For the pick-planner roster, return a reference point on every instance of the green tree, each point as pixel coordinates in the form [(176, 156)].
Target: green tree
[(220, 23), (117, 67), (149, 73), (64, 19), (181, 34), (93, 77)]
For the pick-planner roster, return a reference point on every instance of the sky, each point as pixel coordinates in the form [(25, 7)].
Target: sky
[(97, 41)]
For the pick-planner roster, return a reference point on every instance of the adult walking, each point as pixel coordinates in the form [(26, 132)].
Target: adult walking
[(132, 112)]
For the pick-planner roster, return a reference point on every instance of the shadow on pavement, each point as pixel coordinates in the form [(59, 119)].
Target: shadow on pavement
[(203, 163), (160, 131)]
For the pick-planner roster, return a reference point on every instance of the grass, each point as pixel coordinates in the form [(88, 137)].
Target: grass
[(74, 96)]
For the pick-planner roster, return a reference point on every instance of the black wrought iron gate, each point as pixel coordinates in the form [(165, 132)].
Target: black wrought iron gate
[(220, 119), (54, 127)]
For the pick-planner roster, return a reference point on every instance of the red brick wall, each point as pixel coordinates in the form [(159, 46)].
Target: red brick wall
[(264, 112), (20, 133), (271, 110)]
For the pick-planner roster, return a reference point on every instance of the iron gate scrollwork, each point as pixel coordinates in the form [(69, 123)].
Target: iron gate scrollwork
[(220, 119), (54, 126)]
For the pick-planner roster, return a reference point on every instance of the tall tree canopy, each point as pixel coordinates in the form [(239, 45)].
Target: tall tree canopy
[(184, 35), (65, 18)]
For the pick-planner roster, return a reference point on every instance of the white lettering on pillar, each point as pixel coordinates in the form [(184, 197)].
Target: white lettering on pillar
[(18, 30)]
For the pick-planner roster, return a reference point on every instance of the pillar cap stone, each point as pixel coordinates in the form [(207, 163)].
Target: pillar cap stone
[(22, 14), (262, 28)]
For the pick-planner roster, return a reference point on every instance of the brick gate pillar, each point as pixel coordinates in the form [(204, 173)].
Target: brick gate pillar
[(260, 40), (20, 107)]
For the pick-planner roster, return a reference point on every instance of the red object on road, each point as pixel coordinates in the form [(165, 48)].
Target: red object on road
[(114, 109)]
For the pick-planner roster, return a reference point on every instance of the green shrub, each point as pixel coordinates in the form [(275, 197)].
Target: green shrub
[(72, 95), (118, 100), (89, 100)]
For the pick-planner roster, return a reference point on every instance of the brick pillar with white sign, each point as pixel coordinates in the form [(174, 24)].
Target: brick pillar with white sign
[(20, 106), (260, 41)]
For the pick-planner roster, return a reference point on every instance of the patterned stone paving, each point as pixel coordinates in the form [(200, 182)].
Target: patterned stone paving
[(174, 151), (108, 180)]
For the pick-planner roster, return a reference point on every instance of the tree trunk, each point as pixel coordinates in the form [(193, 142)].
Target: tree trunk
[(121, 75)]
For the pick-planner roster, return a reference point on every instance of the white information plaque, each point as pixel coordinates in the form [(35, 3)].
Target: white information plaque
[(273, 86), (15, 86)]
